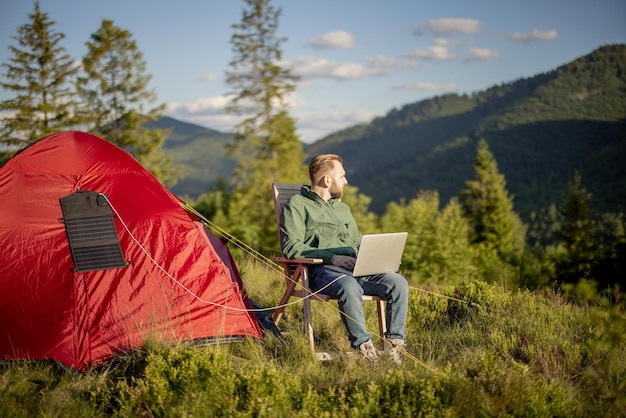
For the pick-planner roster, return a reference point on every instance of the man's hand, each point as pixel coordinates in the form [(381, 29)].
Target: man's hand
[(343, 261)]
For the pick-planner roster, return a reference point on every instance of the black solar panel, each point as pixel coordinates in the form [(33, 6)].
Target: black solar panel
[(91, 233)]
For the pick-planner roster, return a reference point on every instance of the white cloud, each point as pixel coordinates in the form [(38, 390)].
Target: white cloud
[(334, 40), (308, 66), (535, 35), (223, 122), (208, 77), (482, 54), (294, 101), (205, 105), (446, 43), (447, 26), (335, 120), (311, 126), (211, 111), (430, 87), (305, 84), (434, 53), (315, 126), (207, 111)]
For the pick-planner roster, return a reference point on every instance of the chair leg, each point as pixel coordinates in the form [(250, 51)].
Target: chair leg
[(382, 319), (301, 272), (308, 321), (278, 313)]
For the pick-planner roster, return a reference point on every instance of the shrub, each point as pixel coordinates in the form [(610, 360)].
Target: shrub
[(472, 350)]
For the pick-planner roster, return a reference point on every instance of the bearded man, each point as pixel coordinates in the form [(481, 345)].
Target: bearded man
[(317, 224)]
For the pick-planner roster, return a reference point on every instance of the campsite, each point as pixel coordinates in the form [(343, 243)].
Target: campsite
[(137, 339), (121, 297)]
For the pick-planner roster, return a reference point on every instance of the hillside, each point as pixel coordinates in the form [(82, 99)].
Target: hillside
[(201, 151), (540, 129)]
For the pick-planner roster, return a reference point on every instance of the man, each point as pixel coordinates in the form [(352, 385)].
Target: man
[(317, 224)]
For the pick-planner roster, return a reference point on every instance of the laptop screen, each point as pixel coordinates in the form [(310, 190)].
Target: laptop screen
[(378, 253)]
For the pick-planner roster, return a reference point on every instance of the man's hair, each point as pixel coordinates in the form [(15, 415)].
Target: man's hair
[(321, 165)]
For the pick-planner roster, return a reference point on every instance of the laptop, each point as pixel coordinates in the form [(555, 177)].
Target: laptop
[(378, 253)]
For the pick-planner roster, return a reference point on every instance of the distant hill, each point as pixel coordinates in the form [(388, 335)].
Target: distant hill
[(202, 152), (540, 130)]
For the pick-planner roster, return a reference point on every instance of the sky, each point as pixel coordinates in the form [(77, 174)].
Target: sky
[(357, 59)]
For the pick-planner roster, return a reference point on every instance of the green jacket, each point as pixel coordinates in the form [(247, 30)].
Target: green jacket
[(314, 228)]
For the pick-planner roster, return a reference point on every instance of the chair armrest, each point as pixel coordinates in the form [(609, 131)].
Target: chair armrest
[(299, 260)]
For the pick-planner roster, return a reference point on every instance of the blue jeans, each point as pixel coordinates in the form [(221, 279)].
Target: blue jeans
[(349, 290)]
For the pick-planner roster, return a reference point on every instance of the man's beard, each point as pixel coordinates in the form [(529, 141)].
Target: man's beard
[(336, 192)]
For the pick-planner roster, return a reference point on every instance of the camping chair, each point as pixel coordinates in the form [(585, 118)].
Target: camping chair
[(296, 270)]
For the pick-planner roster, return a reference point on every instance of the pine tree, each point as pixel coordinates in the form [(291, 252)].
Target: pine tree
[(261, 85), (577, 234), (489, 208), (114, 90), (266, 143), (40, 74)]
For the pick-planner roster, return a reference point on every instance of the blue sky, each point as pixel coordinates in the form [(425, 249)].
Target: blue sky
[(358, 59)]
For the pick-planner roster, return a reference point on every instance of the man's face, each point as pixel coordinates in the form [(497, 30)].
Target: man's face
[(338, 181)]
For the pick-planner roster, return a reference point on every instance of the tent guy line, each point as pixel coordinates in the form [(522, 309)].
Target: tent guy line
[(273, 266), (404, 352), (186, 289)]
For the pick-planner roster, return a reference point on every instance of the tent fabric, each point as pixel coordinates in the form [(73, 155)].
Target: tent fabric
[(180, 284)]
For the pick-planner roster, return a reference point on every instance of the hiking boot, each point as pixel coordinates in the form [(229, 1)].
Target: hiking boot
[(369, 351), (394, 347)]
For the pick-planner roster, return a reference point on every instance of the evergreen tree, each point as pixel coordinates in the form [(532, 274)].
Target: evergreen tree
[(265, 141), (114, 91), (489, 208), (39, 73), (260, 82), (611, 256), (576, 233)]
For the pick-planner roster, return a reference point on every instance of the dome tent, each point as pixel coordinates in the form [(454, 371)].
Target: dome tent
[(98, 256)]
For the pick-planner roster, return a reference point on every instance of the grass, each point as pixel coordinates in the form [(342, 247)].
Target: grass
[(506, 354)]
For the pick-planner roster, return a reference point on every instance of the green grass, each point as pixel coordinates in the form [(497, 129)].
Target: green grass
[(505, 354)]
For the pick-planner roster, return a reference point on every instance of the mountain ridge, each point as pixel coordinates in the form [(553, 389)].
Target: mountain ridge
[(540, 129), (557, 121), (200, 151)]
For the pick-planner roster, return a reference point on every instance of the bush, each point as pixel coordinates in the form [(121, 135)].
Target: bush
[(472, 350)]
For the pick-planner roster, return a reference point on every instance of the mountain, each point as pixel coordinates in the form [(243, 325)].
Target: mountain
[(540, 129), (201, 151)]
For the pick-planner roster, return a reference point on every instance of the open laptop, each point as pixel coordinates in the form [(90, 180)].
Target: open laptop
[(378, 253)]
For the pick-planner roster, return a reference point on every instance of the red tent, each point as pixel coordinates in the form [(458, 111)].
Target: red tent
[(149, 270)]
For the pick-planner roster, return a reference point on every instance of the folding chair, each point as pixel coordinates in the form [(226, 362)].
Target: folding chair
[(296, 270)]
